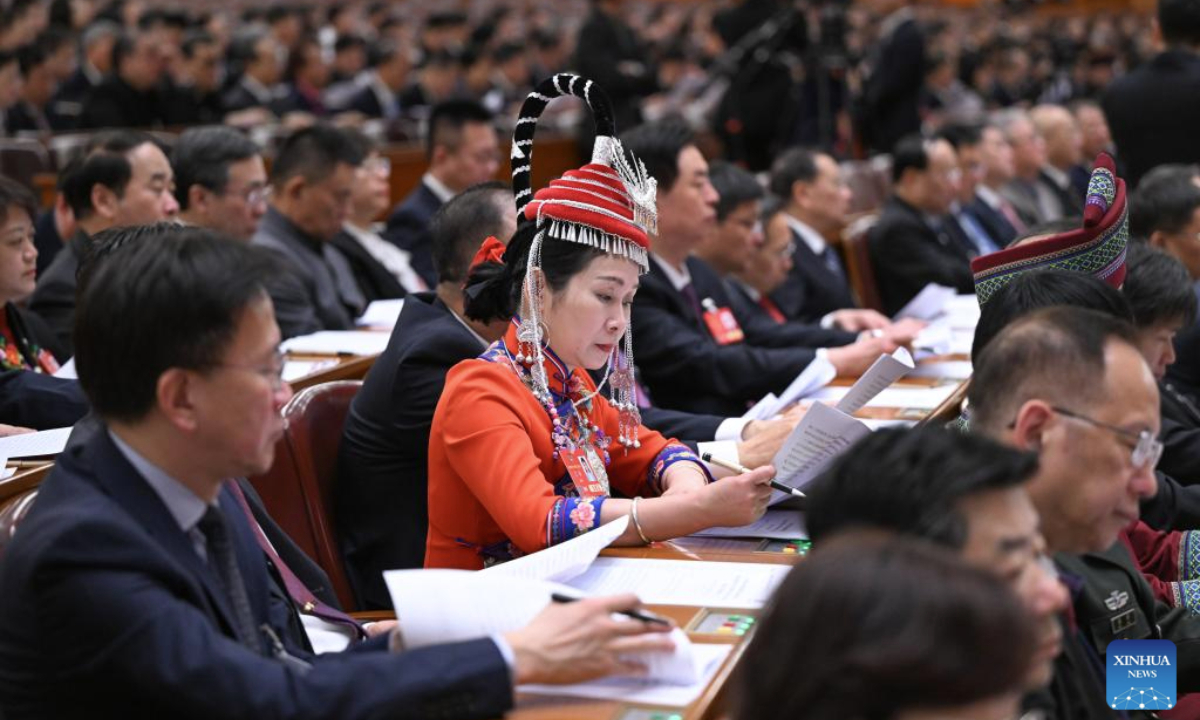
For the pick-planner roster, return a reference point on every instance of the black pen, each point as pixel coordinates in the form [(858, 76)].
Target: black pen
[(740, 470), (635, 614)]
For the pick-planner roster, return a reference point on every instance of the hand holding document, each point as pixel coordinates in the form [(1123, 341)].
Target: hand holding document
[(885, 371)]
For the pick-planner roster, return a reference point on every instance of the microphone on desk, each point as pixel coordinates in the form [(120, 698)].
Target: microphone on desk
[(741, 470)]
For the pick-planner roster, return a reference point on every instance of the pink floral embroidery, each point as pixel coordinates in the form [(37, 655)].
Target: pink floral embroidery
[(583, 516)]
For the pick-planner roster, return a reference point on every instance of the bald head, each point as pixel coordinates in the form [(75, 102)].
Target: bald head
[(1059, 128)]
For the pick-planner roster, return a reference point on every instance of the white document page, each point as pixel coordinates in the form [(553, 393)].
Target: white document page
[(918, 398), (707, 657), (293, 370), (683, 582), (381, 313), (774, 524), (338, 342), (822, 434), (814, 377), (946, 370), (46, 442), (560, 563), (66, 371), (882, 373), (761, 408), (928, 303), (440, 606)]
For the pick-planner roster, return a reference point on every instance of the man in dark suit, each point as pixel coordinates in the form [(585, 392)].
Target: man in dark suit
[(697, 352), (1064, 152), (131, 96), (137, 575), (123, 179), (261, 61), (961, 221), (1164, 211), (909, 245), (609, 52), (1149, 110), (463, 151), (892, 93), (310, 180), (1033, 202), (990, 207), (95, 62), (380, 96)]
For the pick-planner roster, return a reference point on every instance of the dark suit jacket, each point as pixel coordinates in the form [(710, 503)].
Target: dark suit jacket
[(383, 459), (53, 299), (1184, 373), (997, 226), (1180, 435), (105, 593), (307, 294), (33, 400), (67, 103), (375, 280), (366, 102), (811, 291), (907, 255), (47, 240), (892, 95), (115, 104), (408, 228), (686, 369), (1152, 114)]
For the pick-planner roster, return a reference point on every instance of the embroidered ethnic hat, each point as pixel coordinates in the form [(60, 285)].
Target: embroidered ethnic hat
[(1097, 248), (608, 204)]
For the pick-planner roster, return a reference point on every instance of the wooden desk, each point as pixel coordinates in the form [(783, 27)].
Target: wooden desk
[(29, 475), (713, 702), (347, 367)]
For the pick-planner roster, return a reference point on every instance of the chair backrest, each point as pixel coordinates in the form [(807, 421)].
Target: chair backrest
[(12, 512), (23, 159), (298, 489), (951, 407), (858, 262)]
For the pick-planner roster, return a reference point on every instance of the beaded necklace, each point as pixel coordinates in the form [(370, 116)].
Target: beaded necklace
[(575, 431)]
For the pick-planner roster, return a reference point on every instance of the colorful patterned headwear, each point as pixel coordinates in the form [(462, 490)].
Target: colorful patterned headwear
[(608, 204), (1097, 248)]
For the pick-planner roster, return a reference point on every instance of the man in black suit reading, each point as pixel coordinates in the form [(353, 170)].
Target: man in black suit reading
[(910, 246), (463, 151), (136, 577)]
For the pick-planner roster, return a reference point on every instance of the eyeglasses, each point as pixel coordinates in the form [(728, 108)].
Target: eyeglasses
[(378, 165), (273, 373), (1147, 448), (257, 195)]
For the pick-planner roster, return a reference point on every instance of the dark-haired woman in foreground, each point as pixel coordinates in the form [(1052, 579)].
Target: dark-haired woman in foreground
[(524, 451)]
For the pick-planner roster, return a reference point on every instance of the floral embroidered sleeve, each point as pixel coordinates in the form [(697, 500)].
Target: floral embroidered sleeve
[(670, 455), (571, 517)]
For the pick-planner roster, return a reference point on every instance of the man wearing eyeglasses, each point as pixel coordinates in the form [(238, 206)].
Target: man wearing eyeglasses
[(220, 181), (1071, 385)]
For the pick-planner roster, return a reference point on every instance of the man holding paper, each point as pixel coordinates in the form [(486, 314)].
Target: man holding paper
[(135, 579)]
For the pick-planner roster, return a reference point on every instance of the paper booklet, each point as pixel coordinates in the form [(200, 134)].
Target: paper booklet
[(822, 434), (815, 376), (338, 342), (882, 373), (928, 303), (775, 524)]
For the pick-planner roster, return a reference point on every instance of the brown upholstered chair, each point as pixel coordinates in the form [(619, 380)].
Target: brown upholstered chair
[(23, 159), (298, 489), (858, 262)]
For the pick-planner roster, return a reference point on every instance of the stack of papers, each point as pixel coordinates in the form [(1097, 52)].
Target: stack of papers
[(775, 524), (381, 314), (824, 433), (338, 342), (38, 444), (439, 606)]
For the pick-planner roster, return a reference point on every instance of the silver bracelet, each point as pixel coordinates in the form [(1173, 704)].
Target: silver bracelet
[(637, 525)]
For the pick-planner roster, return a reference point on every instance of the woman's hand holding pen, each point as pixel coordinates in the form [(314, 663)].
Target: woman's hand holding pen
[(739, 499)]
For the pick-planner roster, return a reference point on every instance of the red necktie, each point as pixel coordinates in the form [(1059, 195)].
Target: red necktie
[(772, 309)]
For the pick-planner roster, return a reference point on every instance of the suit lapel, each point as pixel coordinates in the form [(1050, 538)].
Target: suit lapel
[(123, 482), (682, 306)]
